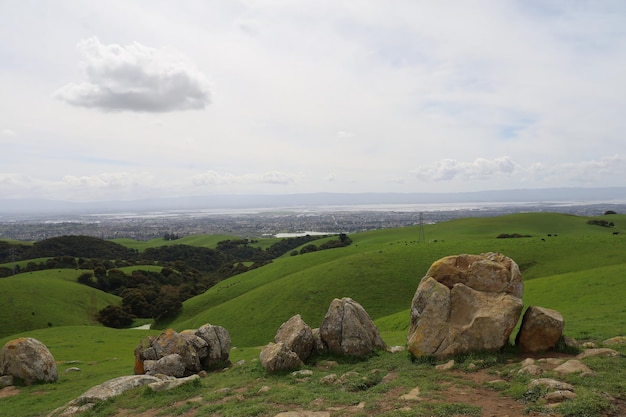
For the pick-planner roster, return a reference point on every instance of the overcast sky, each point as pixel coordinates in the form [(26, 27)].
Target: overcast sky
[(129, 99)]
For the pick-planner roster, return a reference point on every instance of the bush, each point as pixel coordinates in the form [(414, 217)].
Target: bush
[(115, 316)]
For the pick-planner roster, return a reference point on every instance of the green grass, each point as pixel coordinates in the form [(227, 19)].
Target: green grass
[(50, 298), (382, 269), (100, 353), (579, 273)]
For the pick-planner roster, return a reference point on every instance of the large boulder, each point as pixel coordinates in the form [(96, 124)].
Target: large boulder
[(465, 303), (347, 329), (297, 336), (277, 357), (28, 361), (540, 331), (218, 344), (167, 343)]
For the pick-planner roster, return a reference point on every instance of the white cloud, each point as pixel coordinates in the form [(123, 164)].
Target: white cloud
[(481, 168), (271, 177), (8, 133), (135, 78)]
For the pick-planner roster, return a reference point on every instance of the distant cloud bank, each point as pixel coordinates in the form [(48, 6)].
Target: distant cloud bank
[(135, 78)]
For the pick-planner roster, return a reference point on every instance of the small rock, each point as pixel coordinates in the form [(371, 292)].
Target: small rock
[(264, 388), (395, 349), (618, 340), (328, 379), (551, 384), (413, 395), (551, 361), (169, 384), (72, 369), (597, 352), (531, 370), (303, 372), (527, 361), (559, 396), (446, 366), (574, 366)]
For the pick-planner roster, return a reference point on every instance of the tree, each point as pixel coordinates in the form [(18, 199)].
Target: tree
[(115, 316)]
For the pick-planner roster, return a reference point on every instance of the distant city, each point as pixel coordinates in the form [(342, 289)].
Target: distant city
[(266, 222)]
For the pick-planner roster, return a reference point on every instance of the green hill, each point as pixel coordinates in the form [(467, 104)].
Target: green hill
[(382, 269), (50, 298)]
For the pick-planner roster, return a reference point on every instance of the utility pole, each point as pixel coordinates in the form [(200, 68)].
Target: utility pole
[(420, 232)]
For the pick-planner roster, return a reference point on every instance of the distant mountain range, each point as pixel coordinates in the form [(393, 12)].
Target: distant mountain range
[(266, 201)]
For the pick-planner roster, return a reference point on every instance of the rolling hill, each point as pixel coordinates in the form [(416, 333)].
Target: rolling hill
[(564, 258)]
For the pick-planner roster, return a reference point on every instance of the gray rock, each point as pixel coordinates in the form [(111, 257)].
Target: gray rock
[(28, 360), (277, 357), (347, 329), (218, 342), (171, 365), (169, 384), (6, 381), (297, 336)]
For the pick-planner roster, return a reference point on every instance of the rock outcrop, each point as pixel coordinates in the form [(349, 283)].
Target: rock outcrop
[(277, 357), (297, 337), (465, 303), (28, 361), (183, 354), (541, 330), (347, 329)]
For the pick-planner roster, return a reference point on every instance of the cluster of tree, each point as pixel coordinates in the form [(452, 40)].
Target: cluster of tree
[(171, 236), (145, 294), (603, 223), (512, 235), (342, 241)]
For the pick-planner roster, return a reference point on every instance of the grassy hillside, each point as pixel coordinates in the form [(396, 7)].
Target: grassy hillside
[(101, 354), (50, 298), (579, 272), (382, 269)]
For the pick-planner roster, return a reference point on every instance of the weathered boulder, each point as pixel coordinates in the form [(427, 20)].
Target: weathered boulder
[(465, 303), (540, 331), (167, 343), (102, 392), (218, 344), (297, 336), (28, 361), (347, 329), (277, 357), (171, 365)]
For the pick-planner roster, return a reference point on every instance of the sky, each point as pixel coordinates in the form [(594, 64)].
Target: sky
[(131, 99)]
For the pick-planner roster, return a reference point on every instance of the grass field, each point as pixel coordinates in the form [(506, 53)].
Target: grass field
[(579, 270)]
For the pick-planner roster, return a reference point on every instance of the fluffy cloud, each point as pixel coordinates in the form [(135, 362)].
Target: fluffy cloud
[(215, 178), (450, 169), (135, 78)]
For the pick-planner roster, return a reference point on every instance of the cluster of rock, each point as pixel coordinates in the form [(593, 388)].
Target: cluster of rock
[(468, 303), (347, 329), (185, 353), (27, 361)]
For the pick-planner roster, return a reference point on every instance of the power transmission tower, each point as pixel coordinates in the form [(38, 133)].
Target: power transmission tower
[(420, 230), (12, 252)]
